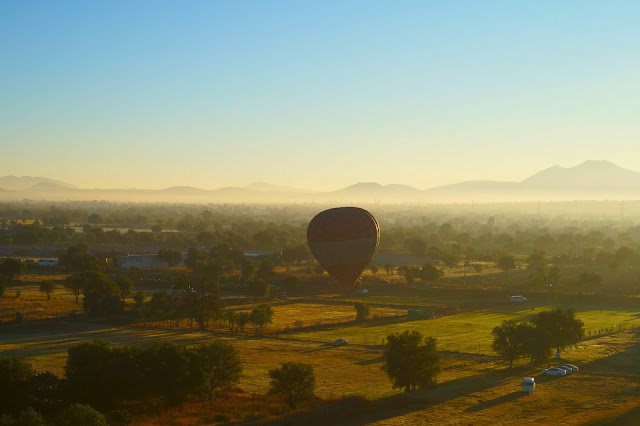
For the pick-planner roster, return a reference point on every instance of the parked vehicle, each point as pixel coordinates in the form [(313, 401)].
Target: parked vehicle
[(572, 367), (565, 368), (340, 342), (517, 299), (528, 384), (554, 371)]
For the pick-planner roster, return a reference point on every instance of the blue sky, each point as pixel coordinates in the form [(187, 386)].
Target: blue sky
[(315, 94)]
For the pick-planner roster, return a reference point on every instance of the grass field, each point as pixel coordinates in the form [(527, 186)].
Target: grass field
[(33, 304), (468, 332), (476, 389), (310, 314), (475, 386)]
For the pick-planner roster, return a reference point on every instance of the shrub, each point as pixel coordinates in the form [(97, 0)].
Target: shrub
[(81, 415), (295, 381), (15, 377)]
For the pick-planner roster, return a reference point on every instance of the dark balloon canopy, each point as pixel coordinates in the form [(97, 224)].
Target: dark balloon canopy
[(344, 240)]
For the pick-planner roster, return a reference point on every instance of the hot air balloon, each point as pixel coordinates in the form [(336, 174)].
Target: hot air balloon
[(343, 240)]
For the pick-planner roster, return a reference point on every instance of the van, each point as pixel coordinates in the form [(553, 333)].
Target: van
[(528, 384), (517, 299)]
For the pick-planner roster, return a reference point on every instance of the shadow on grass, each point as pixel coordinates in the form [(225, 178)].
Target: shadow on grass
[(624, 362), (377, 360), (631, 417), (496, 401), (322, 347), (399, 405)]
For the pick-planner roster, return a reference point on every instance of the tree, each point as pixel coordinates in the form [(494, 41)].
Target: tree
[(362, 310), (139, 298), (417, 247), (101, 294), (126, 287), (167, 366), (410, 273), (171, 257), (537, 261), (262, 315), (78, 259), (248, 271), (553, 276), (28, 417), (590, 281), (295, 254), (94, 219), (411, 360), (559, 327), (266, 270), (75, 284), (389, 268), (510, 340), (295, 381), (242, 319), (48, 287), (214, 365), (195, 259), (11, 268), (506, 262), (430, 272), (101, 374), (290, 283), (451, 260), (81, 415), (374, 269), (258, 288), (15, 376)]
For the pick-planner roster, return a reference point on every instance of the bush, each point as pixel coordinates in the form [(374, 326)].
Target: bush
[(295, 381), (214, 366), (45, 391), (100, 374), (30, 417), (15, 377), (362, 310), (119, 417), (81, 415)]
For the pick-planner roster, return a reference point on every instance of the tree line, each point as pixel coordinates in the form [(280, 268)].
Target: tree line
[(537, 338)]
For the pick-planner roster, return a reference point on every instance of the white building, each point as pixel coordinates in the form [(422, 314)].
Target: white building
[(47, 262)]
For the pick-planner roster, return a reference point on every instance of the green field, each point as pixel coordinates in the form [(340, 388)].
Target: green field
[(469, 332)]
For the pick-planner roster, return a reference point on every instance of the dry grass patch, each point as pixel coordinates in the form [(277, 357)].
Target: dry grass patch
[(310, 314)]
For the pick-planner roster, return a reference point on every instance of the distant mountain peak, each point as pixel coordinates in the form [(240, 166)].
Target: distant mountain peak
[(592, 173), (18, 183)]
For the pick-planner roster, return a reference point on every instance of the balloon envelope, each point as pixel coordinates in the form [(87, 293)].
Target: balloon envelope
[(343, 240)]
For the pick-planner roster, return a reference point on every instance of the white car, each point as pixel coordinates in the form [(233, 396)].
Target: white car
[(554, 371), (528, 384), (565, 368), (571, 367)]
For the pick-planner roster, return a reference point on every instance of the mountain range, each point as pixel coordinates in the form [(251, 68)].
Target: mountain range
[(593, 180)]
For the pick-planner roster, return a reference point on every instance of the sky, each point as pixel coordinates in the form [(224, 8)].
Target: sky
[(316, 95)]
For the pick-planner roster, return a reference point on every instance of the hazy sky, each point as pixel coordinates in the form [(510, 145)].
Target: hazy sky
[(322, 94)]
